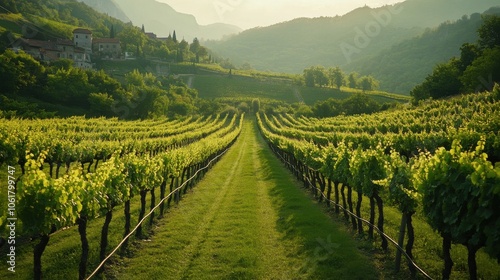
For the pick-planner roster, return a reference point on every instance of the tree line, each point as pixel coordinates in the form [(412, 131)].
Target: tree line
[(135, 40), (335, 77), (477, 69), (94, 93)]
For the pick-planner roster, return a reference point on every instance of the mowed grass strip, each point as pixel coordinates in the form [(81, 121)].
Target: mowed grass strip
[(247, 219)]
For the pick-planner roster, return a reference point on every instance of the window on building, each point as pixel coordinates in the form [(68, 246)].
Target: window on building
[(76, 36)]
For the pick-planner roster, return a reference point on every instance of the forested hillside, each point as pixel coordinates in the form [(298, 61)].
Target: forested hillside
[(397, 44), (51, 19), (299, 43), (404, 65), (108, 7)]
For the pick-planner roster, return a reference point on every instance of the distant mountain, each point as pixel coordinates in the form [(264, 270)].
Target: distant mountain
[(346, 41), (162, 19), (294, 45), (431, 13), (406, 64), (108, 7)]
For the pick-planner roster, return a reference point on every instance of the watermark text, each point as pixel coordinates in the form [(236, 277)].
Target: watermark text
[(11, 218)]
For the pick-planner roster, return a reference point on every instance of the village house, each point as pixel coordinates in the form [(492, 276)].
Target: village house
[(107, 48), (79, 50)]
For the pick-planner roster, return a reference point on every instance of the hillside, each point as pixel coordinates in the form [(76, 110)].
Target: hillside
[(350, 40), (431, 13), (52, 19), (108, 7), (162, 19), (299, 43), (406, 64)]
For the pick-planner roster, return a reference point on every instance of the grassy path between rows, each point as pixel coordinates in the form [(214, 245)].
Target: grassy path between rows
[(247, 219)]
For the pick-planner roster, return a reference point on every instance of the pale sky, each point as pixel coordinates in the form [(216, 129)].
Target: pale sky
[(252, 13)]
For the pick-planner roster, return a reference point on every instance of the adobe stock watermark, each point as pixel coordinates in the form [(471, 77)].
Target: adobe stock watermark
[(11, 218), (485, 84), (223, 6), (123, 108), (372, 29), (322, 252)]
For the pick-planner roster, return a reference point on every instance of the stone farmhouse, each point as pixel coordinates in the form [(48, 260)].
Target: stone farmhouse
[(79, 50)]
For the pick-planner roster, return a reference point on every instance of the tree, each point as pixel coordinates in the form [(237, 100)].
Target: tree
[(315, 75), (195, 46), (100, 104), (359, 103), (69, 87), (102, 82), (182, 51), (336, 76), (131, 35), (174, 37), (309, 77), (489, 32), (61, 64), (202, 53), (327, 108), (483, 72), (320, 76), (353, 80), (368, 83), (468, 53), (19, 72), (149, 102), (303, 110), (134, 78), (444, 81)]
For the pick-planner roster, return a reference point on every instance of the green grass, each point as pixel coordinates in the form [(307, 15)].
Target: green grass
[(217, 86), (213, 82), (56, 28), (248, 219), (11, 22), (53, 29)]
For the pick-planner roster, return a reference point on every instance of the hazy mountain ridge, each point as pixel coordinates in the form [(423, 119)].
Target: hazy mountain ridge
[(294, 45), (350, 40), (406, 64), (108, 7), (162, 19)]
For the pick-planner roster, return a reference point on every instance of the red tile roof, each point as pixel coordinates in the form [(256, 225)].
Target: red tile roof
[(49, 45), (65, 42)]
